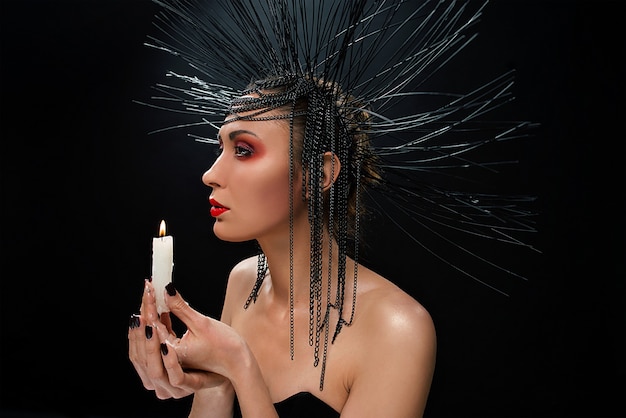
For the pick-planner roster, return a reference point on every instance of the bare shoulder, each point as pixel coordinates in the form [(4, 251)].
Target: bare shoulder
[(245, 270), (392, 324), (394, 350), (389, 310), (240, 282)]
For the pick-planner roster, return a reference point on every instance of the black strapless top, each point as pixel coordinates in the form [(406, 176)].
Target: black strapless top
[(300, 405)]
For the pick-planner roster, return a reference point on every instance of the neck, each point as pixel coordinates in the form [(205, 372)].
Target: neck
[(282, 263)]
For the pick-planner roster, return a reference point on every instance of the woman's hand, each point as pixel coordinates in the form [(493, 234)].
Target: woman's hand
[(163, 361), (214, 346), (208, 344)]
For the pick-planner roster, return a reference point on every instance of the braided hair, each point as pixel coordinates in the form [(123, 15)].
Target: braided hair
[(322, 120)]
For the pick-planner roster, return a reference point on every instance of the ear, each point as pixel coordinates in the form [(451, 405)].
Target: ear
[(331, 169)]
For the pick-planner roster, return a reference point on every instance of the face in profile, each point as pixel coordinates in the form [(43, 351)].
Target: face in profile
[(250, 181)]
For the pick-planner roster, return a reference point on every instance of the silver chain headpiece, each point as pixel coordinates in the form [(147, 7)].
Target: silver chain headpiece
[(353, 74)]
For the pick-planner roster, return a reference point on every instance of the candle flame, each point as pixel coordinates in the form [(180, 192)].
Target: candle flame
[(162, 229)]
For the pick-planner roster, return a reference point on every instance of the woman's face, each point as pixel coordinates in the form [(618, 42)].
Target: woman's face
[(250, 181)]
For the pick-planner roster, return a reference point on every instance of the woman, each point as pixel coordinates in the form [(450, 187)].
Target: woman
[(306, 329), (380, 365)]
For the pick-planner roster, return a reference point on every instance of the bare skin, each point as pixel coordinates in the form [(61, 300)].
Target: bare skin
[(381, 365), (392, 340)]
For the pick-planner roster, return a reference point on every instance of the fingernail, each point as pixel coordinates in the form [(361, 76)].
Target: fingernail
[(171, 290), (134, 321), (149, 279), (164, 349), (148, 331)]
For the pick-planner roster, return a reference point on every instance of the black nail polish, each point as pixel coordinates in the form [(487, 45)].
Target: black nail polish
[(149, 279), (134, 322), (148, 331), (171, 290), (164, 349)]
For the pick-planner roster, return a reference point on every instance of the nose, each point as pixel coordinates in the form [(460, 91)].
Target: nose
[(210, 176)]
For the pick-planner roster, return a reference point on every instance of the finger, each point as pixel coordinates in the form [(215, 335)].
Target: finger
[(164, 334), (172, 365), (155, 371), (154, 365), (166, 320), (182, 348), (173, 344), (179, 307), (133, 324), (175, 373), (149, 308), (136, 350), (148, 303), (146, 348), (186, 382)]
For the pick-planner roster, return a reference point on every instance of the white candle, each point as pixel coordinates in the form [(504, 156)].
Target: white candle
[(162, 265)]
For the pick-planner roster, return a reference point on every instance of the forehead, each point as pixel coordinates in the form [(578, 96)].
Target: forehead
[(258, 115), (262, 126)]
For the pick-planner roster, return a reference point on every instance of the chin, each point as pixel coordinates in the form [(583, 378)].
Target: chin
[(229, 237)]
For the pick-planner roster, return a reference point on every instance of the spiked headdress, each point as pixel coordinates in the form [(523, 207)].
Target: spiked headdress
[(351, 76)]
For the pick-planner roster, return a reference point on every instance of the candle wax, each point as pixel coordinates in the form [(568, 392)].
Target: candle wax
[(162, 265)]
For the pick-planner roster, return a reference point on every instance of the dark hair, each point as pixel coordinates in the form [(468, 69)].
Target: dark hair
[(322, 119)]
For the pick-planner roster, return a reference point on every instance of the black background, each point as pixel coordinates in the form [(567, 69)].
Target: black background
[(84, 188)]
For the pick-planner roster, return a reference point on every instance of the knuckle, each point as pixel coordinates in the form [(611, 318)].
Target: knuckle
[(179, 304), (162, 394), (176, 380), (154, 374), (180, 394)]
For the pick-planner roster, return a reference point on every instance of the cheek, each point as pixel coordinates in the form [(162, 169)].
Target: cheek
[(273, 192), (268, 191)]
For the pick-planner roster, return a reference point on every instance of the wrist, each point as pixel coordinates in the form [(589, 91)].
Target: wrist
[(250, 387), (218, 399), (243, 365)]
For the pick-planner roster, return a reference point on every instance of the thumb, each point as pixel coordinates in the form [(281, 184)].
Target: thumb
[(179, 307)]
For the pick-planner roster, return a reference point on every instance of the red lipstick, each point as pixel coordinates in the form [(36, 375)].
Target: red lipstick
[(216, 208)]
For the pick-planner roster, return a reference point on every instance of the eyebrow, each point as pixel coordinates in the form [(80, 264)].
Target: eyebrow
[(232, 135)]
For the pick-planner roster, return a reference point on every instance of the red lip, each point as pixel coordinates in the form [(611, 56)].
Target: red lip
[(217, 208)]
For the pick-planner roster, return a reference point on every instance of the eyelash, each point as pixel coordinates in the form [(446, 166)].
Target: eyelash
[(241, 151)]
